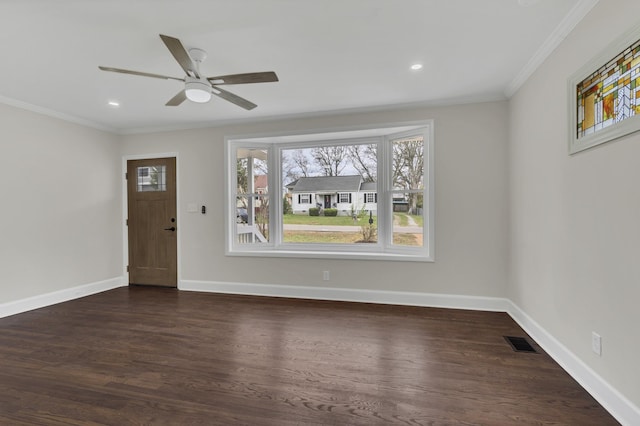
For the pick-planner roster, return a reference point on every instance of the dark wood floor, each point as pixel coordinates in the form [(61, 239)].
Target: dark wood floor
[(158, 356)]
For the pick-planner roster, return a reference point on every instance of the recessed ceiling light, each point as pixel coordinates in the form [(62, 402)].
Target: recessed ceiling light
[(416, 67), (114, 104)]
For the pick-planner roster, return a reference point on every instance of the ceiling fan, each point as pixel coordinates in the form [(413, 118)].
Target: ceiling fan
[(196, 87)]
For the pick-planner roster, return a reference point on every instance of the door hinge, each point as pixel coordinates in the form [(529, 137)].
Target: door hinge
[(126, 176), (127, 222), (127, 268)]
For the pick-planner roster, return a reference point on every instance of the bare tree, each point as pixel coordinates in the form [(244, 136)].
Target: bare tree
[(364, 159), (241, 171), (289, 172), (262, 215), (296, 164), (330, 159), (302, 162), (408, 168), (260, 165)]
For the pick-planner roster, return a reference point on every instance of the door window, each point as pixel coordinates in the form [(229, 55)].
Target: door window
[(152, 178)]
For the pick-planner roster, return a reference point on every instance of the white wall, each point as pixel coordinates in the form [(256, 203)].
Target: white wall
[(471, 206), (575, 220), (61, 205)]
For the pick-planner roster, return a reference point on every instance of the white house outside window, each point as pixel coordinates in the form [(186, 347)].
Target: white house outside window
[(365, 193)]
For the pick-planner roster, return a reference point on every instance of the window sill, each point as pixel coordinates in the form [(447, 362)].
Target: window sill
[(310, 254)]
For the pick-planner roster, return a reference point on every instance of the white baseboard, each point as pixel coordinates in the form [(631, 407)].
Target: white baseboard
[(351, 295), (613, 401), (40, 301)]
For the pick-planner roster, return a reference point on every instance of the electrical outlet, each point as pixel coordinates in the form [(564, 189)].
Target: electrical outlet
[(596, 343), (326, 276)]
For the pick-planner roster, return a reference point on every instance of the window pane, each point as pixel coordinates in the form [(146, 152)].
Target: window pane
[(252, 219), (326, 189), (252, 196), (408, 163), (251, 162), (408, 226), (152, 178)]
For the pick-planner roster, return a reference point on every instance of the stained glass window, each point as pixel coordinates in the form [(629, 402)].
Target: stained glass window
[(611, 94)]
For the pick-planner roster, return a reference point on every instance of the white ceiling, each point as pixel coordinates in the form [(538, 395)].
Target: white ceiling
[(329, 54)]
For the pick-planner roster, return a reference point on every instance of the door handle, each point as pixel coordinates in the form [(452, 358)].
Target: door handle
[(172, 229)]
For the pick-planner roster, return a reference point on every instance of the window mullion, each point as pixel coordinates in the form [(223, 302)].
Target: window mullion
[(251, 191), (385, 217), (275, 194)]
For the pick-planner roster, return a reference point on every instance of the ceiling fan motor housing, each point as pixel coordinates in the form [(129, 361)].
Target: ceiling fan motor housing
[(197, 90), (198, 55)]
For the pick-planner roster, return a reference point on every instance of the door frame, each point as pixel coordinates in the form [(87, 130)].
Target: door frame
[(125, 211)]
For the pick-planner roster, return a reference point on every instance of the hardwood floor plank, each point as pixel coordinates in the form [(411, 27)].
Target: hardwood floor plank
[(159, 356)]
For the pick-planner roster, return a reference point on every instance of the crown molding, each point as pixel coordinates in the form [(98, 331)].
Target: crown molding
[(575, 15), (55, 114)]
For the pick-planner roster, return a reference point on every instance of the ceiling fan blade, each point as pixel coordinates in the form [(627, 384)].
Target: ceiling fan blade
[(179, 98), (143, 74), (180, 53), (253, 77), (241, 102)]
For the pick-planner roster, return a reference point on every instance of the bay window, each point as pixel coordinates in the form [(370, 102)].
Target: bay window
[(363, 194)]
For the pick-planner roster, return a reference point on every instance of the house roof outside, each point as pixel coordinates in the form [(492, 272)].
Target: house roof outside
[(291, 185), (328, 184), (369, 186)]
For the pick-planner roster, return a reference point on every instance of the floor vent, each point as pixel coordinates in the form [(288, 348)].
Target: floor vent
[(520, 344)]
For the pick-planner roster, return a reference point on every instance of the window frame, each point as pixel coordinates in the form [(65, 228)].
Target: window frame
[(370, 196), (383, 249), (347, 195), (307, 196)]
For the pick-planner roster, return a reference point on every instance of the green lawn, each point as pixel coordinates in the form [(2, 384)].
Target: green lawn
[(300, 219), (319, 237), (401, 219), (313, 237), (324, 237)]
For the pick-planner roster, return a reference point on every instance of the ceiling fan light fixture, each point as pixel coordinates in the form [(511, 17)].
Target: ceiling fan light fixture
[(197, 91)]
